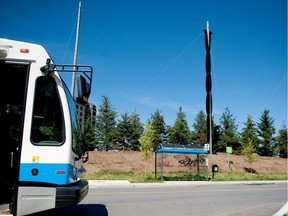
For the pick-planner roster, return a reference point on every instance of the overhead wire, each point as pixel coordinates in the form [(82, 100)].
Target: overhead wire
[(69, 41), (170, 63), (275, 90)]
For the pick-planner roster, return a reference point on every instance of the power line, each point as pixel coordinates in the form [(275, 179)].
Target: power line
[(171, 63)]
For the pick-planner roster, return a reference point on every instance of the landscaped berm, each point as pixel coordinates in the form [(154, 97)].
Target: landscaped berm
[(130, 161)]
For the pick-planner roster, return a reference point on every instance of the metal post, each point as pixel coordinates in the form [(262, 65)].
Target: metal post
[(155, 164), (207, 167), (162, 167), (198, 168), (76, 49)]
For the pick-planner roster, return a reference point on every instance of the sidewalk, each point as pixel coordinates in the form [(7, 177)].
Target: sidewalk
[(282, 211)]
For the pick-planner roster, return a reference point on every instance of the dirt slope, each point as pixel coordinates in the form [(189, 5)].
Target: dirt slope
[(133, 161)]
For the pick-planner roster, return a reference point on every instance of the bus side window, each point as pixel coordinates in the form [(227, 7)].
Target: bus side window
[(47, 122), (76, 131)]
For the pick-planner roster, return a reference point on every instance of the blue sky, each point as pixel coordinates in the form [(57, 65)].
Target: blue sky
[(150, 54)]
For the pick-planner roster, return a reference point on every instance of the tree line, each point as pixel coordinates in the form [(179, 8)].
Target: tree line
[(127, 133)]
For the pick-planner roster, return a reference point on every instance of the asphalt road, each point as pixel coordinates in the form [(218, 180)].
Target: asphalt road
[(263, 199)]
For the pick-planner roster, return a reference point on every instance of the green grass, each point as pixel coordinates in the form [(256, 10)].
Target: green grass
[(130, 176), (244, 176), (183, 176)]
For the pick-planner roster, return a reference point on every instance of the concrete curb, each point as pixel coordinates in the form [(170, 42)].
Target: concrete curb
[(282, 211), (109, 183), (125, 183)]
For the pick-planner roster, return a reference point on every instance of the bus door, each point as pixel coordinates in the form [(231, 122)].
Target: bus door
[(13, 81)]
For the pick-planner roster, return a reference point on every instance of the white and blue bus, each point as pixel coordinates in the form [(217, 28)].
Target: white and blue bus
[(42, 149)]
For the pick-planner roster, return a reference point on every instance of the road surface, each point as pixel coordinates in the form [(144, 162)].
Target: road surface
[(263, 199)]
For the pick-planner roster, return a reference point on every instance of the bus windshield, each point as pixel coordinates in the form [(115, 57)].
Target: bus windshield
[(47, 122)]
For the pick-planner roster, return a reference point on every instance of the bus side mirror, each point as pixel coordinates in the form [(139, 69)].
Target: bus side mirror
[(85, 157), (84, 89)]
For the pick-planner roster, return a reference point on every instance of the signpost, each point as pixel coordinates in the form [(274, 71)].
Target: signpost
[(229, 151)]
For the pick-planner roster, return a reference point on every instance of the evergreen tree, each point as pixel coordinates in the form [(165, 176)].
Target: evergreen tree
[(228, 132), (89, 134), (127, 132), (105, 123), (266, 130), (167, 136), (281, 142), (180, 132), (200, 129), (136, 131), (249, 133), (216, 138), (121, 134), (159, 131)]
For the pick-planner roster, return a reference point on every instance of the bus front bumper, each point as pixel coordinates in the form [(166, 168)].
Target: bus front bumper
[(72, 194)]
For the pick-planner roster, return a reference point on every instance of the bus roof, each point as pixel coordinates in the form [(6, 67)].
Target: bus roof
[(12, 50)]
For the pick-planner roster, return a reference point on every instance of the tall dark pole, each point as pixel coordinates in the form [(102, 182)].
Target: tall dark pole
[(208, 34)]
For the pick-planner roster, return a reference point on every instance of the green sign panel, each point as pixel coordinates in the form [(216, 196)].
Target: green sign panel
[(228, 149)]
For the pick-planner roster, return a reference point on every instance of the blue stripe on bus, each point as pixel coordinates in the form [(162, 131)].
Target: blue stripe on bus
[(49, 173)]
